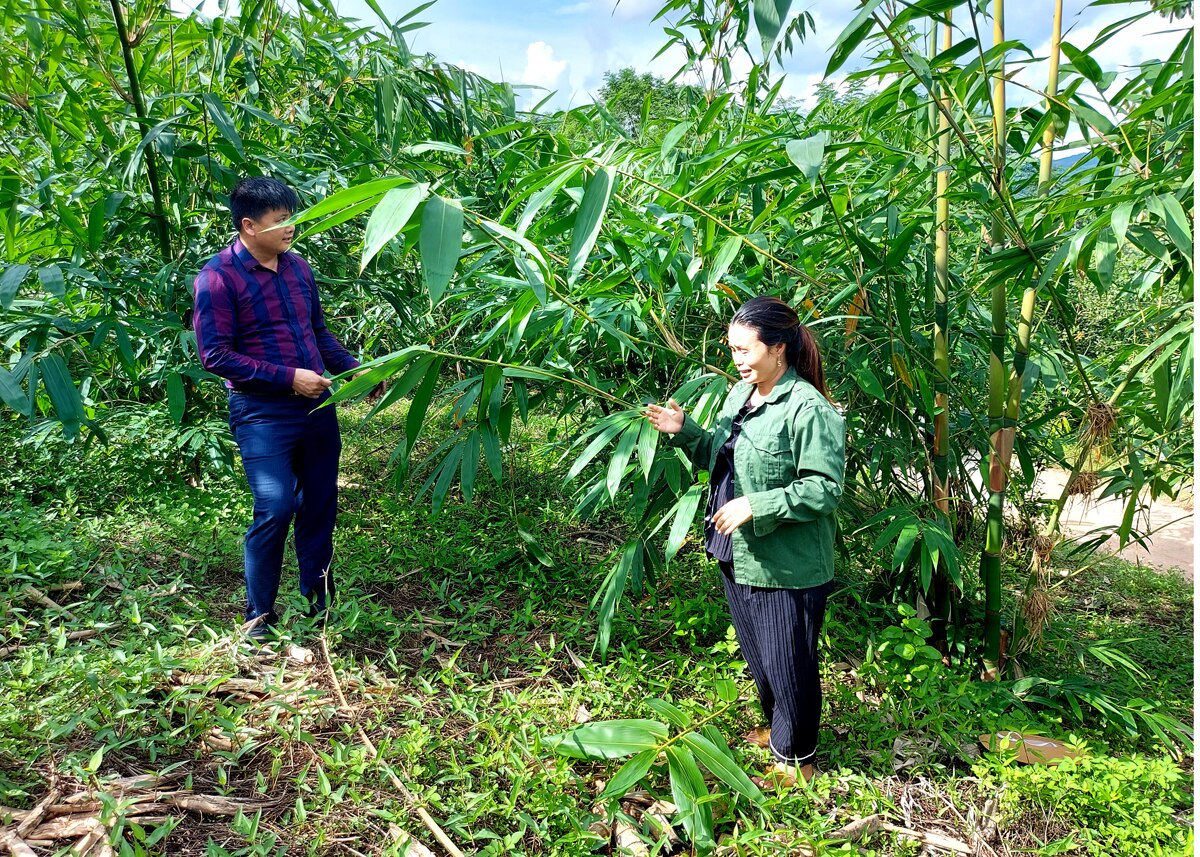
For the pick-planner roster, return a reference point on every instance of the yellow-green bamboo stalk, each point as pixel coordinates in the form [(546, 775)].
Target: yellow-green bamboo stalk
[(1002, 431), (1027, 622), (1051, 94), (941, 261)]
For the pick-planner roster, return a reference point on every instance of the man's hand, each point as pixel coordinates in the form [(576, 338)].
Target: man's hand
[(668, 420), (732, 515), (308, 383), (376, 392)]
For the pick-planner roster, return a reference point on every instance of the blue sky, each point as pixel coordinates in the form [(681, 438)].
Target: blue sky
[(565, 46)]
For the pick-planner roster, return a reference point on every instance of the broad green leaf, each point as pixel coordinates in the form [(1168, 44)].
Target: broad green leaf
[(724, 259), (669, 712), (726, 688), (769, 16), (343, 199), (12, 394), (1083, 62), (852, 36), (671, 138), (10, 282), (1120, 221), (51, 278), (613, 588), (808, 154), (64, 395), (441, 243), (904, 544), (647, 444), (630, 775), (681, 524), (609, 739), (525, 527), (470, 466), (690, 796), (604, 434), (176, 398), (718, 761), (415, 421), (588, 220), (1176, 219), (389, 217), (224, 122), (1104, 256)]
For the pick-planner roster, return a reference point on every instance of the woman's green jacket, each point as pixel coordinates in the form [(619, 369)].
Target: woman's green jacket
[(789, 462)]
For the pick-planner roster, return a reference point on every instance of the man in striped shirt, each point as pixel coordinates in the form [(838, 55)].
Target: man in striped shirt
[(259, 326)]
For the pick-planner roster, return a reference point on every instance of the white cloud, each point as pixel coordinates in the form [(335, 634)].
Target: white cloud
[(574, 8), (541, 68)]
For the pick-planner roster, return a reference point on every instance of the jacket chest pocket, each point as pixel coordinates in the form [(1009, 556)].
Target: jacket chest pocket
[(768, 460)]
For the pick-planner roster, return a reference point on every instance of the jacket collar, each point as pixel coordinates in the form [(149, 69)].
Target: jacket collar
[(784, 385)]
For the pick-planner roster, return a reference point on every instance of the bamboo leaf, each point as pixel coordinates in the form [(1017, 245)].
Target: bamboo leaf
[(389, 217), (613, 588), (343, 199), (441, 244), (1119, 220), (418, 407), (224, 122), (852, 36), (10, 283), (724, 259), (176, 398), (588, 220), (630, 775), (681, 524), (718, 761), (647, 444), (1176, 221), (690, 796), (769, 16), (673, 714), (609, 739), (808, 154), (12, 394), (64, 396), (525, 527)]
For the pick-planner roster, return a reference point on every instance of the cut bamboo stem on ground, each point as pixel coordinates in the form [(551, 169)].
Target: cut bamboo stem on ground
[(373, 752)]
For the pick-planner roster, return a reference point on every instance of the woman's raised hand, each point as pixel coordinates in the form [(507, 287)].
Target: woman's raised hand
[(668, 420)]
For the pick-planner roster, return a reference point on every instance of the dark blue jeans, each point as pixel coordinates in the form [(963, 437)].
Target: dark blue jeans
[(290, 454)]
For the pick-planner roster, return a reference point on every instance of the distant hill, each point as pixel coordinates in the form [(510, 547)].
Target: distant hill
[(1066, 162)]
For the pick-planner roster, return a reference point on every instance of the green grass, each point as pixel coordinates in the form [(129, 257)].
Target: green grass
[(461, 653)]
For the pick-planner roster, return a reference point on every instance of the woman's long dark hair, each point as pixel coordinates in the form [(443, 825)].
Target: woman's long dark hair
[(775, 322)]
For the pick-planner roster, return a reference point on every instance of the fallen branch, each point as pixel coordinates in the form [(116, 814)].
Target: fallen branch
[(72, 636), (415, 848), (72, 586), (863, 827), (35, 594), (36, 814), (373, 752), (17, 847)]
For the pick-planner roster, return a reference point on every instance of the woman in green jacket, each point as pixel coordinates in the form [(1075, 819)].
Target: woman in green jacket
[(776, 458)]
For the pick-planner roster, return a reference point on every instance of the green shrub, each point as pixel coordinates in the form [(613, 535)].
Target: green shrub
[(1108, 806)]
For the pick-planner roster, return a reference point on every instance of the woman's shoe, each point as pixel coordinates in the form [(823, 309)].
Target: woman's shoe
[(759, 736), (781, 776)]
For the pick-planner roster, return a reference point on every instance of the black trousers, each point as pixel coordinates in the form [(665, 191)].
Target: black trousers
[(777, 630)]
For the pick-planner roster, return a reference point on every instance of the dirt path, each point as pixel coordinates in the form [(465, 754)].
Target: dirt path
[(1171, 523)]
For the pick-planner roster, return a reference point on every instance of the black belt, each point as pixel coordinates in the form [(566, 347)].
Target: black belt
[(291, 394)]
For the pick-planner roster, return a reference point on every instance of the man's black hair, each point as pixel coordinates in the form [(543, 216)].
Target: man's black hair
[(254, 196)]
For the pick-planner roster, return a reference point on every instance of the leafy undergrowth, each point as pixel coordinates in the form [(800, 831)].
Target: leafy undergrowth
[(462, 650)]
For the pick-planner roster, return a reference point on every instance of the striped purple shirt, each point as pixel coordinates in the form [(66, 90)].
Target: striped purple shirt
[(255, 327)]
